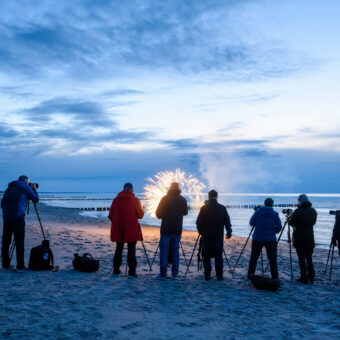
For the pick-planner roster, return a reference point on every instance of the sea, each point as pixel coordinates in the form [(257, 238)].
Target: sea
[(240, 208)]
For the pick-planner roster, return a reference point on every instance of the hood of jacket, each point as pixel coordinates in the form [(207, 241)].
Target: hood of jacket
[(305, 205), (126, 195), (266, 211), (16, 183)]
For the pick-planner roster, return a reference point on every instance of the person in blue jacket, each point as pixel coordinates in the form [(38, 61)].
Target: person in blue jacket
[(267, 224), (13, 206)]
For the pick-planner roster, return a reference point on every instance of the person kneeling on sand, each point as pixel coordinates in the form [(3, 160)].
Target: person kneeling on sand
[(302, 221), (211, 220), (267, 223), (171, 209), (125, 211)]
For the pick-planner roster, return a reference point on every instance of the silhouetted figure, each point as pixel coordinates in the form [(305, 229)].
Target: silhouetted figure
[(13, 204), (302, 221), (171, 209), (267, 224), (211, 221)]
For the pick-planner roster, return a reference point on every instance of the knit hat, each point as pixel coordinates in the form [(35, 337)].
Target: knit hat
[(128, 186)]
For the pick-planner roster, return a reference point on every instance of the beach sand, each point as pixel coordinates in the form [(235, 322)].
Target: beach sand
[(71, 305)]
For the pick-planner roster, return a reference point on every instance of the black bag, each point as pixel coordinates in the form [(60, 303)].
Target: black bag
[(265, 283), (85, 263), (41, 257)]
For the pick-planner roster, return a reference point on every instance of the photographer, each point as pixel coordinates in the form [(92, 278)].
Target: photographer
[(267, 223), (336, 231), (125, 211), (211, 220), (13, 206), (171, 209), (302, 221)]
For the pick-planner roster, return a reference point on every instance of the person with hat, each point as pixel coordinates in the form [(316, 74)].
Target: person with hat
[(171, 209), (125, 211), (302, 221), (267, 224)]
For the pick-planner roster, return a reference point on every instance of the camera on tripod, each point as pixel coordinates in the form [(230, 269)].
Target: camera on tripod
[(287, 212), (34, 185), (257, 207), (334, 212)]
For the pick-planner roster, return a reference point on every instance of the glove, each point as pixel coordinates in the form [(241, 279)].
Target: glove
[(228, 236), (333, 241)]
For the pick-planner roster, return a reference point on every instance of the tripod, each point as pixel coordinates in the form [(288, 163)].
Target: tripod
[(290, 245), (12, 247), (155, 254), (199, 240), (331, 251), (146, 255)]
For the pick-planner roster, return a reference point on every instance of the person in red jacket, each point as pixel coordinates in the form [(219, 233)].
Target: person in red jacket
[(125, 211)]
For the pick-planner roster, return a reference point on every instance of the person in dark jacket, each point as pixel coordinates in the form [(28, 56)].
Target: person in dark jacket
[(302, 221), (13, 205), (336, 231), (125, 211), (211, 221), (171, 209), (267, 224)]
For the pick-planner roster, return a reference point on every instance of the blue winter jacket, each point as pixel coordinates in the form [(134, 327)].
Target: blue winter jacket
[(267, 223), (14, 201)]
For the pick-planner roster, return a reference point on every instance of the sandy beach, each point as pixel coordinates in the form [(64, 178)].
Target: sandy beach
[(73, 305)]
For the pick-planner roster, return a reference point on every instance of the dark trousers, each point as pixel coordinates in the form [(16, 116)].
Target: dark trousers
[(131, 257), (211, 250), (15, 226), (271, 250), (306, 263)]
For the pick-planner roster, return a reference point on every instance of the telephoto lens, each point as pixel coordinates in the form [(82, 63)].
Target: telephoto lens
[(334, 212), (287, 211), (256, 207), (36, 185)]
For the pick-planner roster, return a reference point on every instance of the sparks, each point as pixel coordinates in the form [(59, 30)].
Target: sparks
[(158, 186)]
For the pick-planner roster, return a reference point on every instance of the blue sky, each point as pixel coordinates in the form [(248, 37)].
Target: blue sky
[(243, 94)]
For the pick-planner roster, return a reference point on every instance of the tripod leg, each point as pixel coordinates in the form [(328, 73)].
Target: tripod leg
[(226, 258), (154, 256), (278, 240), (42, 229), (290, 253), (251, 231), (11, 251), (331, 268), (126, 264), (329, 253), (146, 255), (185, 259), (262, 269), (192, 255)]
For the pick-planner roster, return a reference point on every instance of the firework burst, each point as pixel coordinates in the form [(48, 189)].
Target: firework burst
[(158, 186)]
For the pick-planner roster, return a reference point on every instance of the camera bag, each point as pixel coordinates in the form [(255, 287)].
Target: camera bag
[(41, 257), (85, 263), (265, 283)]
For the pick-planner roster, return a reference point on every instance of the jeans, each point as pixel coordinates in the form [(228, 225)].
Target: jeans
[(210, 250), (306, 263), (271, 249), (15, 226), (131, 257), (163, 253)]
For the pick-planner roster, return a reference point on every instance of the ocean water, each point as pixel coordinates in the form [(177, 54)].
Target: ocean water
[(239, 216)]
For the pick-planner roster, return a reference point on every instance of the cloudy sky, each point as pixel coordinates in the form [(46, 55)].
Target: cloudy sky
[(243, 94)]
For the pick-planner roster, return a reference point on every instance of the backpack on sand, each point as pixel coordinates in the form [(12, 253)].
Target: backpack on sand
[(265, 283), (85, 263), (41, 257)]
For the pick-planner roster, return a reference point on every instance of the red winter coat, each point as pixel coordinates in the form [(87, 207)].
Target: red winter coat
[(125, 211)]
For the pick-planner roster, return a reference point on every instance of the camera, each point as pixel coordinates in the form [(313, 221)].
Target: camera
[(32, 185), (334, 212), (287, 211), (257, 207)]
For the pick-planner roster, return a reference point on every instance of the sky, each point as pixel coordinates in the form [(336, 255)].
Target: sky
[(242, 94)]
